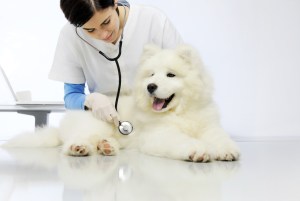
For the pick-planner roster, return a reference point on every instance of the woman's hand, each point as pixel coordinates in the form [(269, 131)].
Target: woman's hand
[(102, 108)]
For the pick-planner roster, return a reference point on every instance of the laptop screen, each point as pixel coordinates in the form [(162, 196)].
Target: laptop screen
[(8, 83)]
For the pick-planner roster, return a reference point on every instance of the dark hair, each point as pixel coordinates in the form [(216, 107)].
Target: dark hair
[(78, 12)]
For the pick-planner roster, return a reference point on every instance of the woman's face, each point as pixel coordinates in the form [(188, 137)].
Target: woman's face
[(104, 25)]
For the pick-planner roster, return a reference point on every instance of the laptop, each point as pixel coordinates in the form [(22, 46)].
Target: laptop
[(24, 97)]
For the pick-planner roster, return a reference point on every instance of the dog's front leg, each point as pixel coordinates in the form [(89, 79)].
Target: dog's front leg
[(170, 143), (221, 146)]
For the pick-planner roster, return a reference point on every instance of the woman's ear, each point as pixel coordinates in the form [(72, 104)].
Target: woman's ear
[(116, 6)]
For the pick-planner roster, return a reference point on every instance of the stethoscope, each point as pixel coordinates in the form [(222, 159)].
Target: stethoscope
[(125, 127)]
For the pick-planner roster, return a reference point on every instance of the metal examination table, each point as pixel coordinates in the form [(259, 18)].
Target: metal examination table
[(40, 112)]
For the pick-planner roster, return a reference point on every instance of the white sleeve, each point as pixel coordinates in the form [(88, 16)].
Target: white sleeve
[(66, 65), (171, 37), (165, 33)]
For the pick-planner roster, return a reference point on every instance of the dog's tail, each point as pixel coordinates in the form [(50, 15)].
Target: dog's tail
[(42, 137)]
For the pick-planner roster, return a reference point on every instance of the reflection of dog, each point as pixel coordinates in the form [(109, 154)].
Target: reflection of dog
[(137, 176), (130, 176), (171, 109)]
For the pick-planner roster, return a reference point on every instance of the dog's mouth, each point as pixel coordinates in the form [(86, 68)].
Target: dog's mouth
[(159, 104)]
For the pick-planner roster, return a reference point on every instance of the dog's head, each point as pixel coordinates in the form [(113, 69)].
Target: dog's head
[(171, 80)]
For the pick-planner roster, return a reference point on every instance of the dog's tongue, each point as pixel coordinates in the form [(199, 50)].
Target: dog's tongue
[(158, 104)]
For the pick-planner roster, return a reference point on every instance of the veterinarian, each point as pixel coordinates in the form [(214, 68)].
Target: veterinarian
[(100, 25)]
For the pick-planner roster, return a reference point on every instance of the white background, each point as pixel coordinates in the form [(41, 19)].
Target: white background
[(251, 48)]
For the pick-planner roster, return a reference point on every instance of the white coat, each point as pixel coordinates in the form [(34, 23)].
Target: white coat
[(76, 62)]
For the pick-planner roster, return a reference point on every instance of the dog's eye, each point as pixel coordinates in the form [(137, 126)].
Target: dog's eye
[(171, 75), (152, 74)]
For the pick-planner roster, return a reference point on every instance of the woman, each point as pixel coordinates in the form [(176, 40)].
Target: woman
[(99, 25)]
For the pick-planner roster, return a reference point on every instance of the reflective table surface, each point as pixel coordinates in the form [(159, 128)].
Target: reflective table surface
[(268, 171)]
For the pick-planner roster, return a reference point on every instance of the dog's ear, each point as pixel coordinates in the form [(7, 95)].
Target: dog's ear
[(149, 51), (186, 52)]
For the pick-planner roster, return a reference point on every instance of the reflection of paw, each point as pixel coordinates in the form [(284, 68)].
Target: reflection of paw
[(199, 157), (78, 150), (78, 162), (108, 147)]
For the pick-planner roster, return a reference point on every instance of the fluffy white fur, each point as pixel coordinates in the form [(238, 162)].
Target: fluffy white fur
[(171, 109)]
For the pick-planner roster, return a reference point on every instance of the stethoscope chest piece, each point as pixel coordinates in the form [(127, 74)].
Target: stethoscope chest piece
[(125, 128)]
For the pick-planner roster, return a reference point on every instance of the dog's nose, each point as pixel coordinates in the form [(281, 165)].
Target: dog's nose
[(151, 88)]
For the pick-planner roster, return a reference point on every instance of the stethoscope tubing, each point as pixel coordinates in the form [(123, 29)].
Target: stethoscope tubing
[(125, 127)]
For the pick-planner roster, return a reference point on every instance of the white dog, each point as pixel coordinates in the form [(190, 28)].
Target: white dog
[(171, 109)]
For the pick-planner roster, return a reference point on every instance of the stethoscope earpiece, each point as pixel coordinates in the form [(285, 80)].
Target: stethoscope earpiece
[(125, 127)]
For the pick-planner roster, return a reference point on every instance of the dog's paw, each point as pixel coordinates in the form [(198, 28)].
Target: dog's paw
[(199, 157), (228, 156), (78, 150), (108, 147), (228, 153)]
